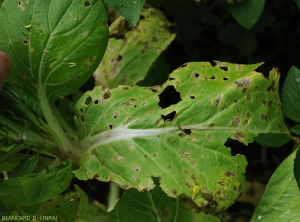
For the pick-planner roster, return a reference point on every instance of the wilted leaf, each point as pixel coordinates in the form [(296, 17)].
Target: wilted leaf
[(128, 60), (131, 135)]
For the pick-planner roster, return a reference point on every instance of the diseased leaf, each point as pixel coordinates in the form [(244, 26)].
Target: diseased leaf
[(128, 60), (131, 10), (34, 188), (130, 134), (281, 199), (291, 93), (247, 12)]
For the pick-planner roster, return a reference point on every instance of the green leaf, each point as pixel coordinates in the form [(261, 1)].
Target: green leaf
[(128, 60), (281, 199), (25, 167), (298, 3), (295, 129), (34, 188), (291, 94), (131, 10), (156, 206), (87, 210), (247, 12), (41, 48), (54, 48), (272, 139), (73, 206), (129, 138)]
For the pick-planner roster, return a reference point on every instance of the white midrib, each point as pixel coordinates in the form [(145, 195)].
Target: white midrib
[(123, 132)]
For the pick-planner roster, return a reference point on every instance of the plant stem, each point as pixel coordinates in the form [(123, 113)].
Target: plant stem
[(113, 196)]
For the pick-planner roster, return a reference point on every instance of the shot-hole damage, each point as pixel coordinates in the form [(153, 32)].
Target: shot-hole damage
[(212, 77), (110, 126), (119, 58), (88, 101), (225, 78), (169, 97), (26, 41), (21, 6), (224, 68), (197, 75), (192, 97), (169, 117), (87, 3)]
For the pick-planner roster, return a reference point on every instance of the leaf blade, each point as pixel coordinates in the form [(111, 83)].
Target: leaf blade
[(129, 138)]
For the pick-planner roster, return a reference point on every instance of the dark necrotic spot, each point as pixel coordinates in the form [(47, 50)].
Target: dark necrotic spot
[(192, 97), (91, 59), (96, 101), (187, 131), (107, 95), (169, 117), (168, 97), (110, 126), (264, 117), (236, 121), (212, 77), (154, 39), (225, 78)]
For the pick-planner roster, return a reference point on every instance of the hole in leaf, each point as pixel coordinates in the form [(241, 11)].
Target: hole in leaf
[(107, 95), (88, 101), (197, 75), (213, 77), (225, 78), (224, 68), (169, 117), (87, 4), (192, 97), (110, 126), (169, 97), (171, 78), (96, 102), (187, 131), (26, 41), (119, 58)]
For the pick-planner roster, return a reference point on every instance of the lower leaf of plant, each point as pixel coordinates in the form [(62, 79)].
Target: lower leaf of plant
[(132, 134)]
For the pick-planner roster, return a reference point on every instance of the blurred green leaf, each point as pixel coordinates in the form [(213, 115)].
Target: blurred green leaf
[(25, 167), (130, 134), (291, 94), (298, 3), (295, 129), (281, 199), (247, 12), (128, 60), (131, 10), (272, 139), (34, 188)]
